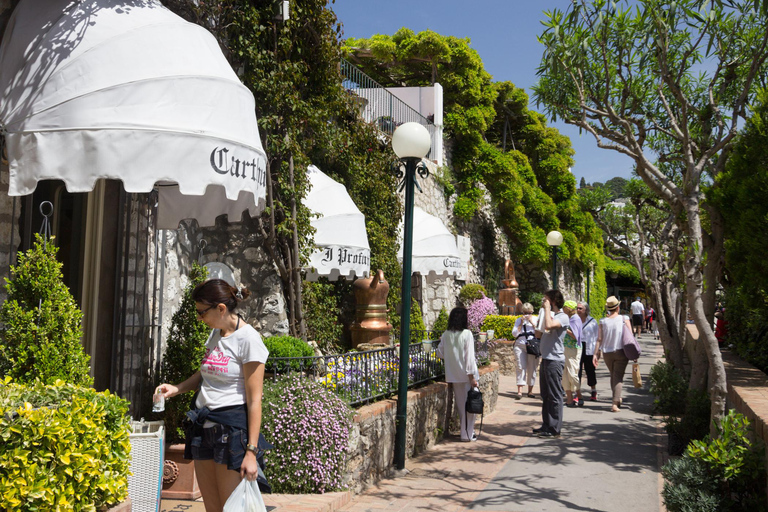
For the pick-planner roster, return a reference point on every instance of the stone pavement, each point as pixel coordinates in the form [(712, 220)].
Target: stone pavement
[(603, 461)]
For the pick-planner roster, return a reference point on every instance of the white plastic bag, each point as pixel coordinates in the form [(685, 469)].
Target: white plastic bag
[(245, 498)]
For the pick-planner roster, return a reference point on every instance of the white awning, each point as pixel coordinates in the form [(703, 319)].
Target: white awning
[(340, 236), (434, 251), (124, 90)]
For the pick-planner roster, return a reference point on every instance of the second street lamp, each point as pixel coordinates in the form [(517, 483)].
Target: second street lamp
[(411, 143), (554, 238)]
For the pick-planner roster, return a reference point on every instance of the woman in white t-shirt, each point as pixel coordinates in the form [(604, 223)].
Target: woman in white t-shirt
[(457, 348), (224, 439), (610, 345)]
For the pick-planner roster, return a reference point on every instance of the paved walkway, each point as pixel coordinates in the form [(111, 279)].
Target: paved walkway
[(603, 461)]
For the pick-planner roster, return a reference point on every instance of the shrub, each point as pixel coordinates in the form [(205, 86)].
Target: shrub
[(63, 447), (669, 387), (309, 427), (534, 298), (41, 322), (725, 473), (441, 324), (323, 310), (469, 293), (478, 311), (184, 351), (501, 325), (695, 421), (286, 346), (418, 329)]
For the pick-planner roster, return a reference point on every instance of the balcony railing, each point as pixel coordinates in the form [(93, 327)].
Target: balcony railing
[(378, 105)]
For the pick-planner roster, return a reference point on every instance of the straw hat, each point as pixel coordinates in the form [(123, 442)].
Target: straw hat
[(612, 302)]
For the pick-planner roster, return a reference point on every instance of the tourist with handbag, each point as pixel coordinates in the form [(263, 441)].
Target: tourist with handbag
[(610, 346), (457, 349), (527, 350)]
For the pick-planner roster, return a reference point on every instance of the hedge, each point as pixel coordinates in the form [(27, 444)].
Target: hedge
[(501, 325)]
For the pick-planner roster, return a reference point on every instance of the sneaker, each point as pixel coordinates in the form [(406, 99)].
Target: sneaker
[(593, 397), (538, 430), (548, 434), (581, 403), (472, 440), (572, 404)]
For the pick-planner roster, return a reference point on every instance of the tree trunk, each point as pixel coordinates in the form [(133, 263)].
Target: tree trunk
[(695, 289)]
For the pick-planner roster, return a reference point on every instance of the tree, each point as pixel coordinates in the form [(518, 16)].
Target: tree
[(583, 183), (41, 323), (667, 85), (616, 186)]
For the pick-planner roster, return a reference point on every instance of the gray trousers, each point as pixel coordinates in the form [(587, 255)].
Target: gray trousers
[(550, 383)]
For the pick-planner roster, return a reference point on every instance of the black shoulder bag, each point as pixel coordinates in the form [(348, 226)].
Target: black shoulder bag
[(474, 405), (531, 342)]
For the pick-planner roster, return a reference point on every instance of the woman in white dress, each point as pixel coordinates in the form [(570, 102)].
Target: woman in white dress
[(457, 348), (527, 364)]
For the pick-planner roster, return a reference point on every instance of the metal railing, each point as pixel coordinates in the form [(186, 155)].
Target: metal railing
[(362, 377), (378, 105)]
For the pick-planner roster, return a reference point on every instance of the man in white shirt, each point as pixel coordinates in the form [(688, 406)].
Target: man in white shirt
[(638, 314)]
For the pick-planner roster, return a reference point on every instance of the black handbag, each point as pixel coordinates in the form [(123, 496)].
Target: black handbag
[(531, 342), (474, 405)]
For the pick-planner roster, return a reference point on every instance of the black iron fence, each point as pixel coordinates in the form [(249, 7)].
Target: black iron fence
[(362, 377)]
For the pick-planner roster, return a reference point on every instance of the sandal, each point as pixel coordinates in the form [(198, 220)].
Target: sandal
[(518, 396), (531, 395)]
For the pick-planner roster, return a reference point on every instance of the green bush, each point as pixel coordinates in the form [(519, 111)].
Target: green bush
[(441, 324), (694, 423), (323, 312), (501, 325), (62, 447), (286, 346), (534, 299), (471, 292), (309, 428), (721, 474), (184, 351), (418, 330), (669, 387), (41, 323)]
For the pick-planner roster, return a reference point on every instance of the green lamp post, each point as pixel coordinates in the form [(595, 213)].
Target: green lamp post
[(554, 239), (411, 143)]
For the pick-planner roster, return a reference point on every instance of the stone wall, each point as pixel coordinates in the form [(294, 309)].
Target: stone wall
[(372, 439), (503, 354)]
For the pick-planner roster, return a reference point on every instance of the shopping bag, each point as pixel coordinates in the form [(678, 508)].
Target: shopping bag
[(637, 379), (245, 498)]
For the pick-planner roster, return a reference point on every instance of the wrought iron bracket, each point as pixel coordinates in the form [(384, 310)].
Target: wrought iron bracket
[(399, 170)]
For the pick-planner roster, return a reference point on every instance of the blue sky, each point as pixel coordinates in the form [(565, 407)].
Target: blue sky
[(504, 34)]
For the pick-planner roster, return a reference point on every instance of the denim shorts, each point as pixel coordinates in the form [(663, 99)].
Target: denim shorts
[(222, 444)]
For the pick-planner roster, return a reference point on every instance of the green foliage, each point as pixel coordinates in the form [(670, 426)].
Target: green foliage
[(41, 323), (624, 269), (598, 288), (616, 186), (309, 427), (418, 329), (694, 423), (185, 348), (323, 310), (62, 447), (471, 292), (285, 346), (533, 298), (739, 198), (441, 324), (669, 387), (497, 143), (501, 325), (722, 473)]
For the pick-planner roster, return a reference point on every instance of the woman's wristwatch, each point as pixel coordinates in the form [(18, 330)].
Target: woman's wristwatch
[(252, 448)]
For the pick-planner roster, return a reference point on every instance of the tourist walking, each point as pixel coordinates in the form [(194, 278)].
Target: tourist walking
[(572, 352), (527, 363), (610, 346), (588, 341), (553, 360), (649, 317), (457, 349), (638, 315), (224, 438)]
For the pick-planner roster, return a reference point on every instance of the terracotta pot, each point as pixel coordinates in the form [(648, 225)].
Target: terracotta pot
[(179, 479)]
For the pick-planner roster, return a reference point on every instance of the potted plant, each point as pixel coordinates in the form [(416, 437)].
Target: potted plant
[(185, 348)]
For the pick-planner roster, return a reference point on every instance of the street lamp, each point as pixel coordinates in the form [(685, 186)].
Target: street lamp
[(411, 143), (554, 238)]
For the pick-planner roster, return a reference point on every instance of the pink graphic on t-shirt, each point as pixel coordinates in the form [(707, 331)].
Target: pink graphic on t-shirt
[(216, 360)]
